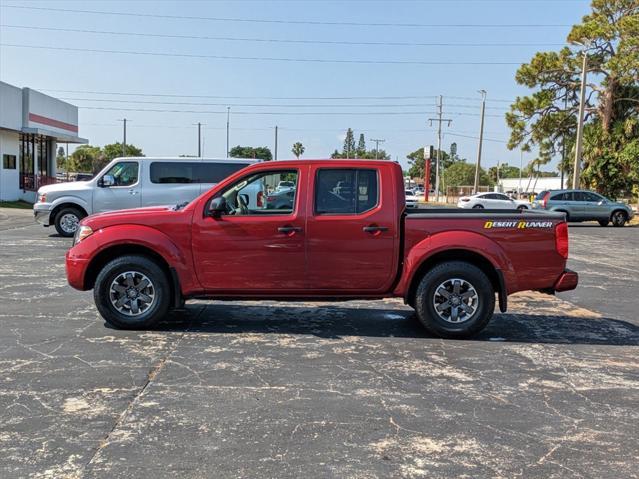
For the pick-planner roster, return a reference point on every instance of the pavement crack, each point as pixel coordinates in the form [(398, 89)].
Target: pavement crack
[(152, 374)]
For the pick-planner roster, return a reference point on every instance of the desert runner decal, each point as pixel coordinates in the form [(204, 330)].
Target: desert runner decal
[(522, 225)]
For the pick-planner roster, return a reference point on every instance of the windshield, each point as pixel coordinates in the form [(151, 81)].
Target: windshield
[(541, 195)]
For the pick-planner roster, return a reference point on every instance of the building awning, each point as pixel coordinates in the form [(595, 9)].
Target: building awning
[(56, 135)]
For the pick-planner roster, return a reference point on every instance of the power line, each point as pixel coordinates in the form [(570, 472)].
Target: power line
[(283, 113), (266, 105), (274, 40), (292, 22), (275, 59), (176, 95)]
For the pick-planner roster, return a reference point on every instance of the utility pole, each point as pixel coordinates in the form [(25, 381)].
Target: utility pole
[(580, 124), (563, 143), (123, 137), (275, 151), (439, 120), (228, 118), (481, 140), (521, 168), (377, 142), (199, 139)]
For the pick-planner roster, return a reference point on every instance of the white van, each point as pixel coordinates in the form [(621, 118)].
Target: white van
[(130, 183)]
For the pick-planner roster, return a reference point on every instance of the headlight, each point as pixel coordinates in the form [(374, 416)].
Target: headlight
[(82, 233), (42, 198)]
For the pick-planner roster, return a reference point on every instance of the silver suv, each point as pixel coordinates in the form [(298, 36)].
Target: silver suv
[(583, 205)]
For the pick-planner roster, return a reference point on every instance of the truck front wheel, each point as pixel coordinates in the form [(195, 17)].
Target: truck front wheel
[(455, 299), (132, 292)]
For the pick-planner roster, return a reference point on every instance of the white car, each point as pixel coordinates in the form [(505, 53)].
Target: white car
[(131, 183), (492, 201), (411, 199)]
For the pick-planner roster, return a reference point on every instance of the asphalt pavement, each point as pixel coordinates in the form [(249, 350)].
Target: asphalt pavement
[(349, 390)]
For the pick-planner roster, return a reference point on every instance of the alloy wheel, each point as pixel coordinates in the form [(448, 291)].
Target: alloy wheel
[(132, 293), (456, 300)]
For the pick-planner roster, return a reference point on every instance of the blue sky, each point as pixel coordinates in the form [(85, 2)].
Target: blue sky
[(208, 84)]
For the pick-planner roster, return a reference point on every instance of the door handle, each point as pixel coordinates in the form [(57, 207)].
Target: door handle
[(289, 229), (133, 192), (374, 229)]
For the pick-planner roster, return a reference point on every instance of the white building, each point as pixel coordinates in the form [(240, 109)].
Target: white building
[(528, 185), (31, 126)]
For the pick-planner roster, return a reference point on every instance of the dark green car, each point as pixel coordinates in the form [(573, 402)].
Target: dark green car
[(583, 205)]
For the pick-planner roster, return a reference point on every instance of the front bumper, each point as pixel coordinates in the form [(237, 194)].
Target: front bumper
[(75, 269), (42, 213), (567, 281)]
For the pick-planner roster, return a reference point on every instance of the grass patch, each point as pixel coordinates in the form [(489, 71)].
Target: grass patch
[(20, 205)]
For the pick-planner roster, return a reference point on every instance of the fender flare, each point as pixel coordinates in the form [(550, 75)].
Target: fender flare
[(74, 200), (151, 239), (463, 241)]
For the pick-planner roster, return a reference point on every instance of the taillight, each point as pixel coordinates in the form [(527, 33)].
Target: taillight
[(561, 239), (545, 200), (260, 198)]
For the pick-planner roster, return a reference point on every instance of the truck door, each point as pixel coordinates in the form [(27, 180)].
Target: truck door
[(352, 231), (118, 188), (253, 247)]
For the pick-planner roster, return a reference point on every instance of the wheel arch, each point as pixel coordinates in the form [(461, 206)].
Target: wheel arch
[(66, 204), (107, 254), (494, 274), (625, 213)]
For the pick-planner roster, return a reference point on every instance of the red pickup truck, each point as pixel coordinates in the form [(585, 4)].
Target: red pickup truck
[(321, 230)]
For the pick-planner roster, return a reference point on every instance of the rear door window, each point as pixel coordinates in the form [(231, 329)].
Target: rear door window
[(167, 172), (346, 191)]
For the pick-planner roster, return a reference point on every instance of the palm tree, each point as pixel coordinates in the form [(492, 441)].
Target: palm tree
[(298, 150)]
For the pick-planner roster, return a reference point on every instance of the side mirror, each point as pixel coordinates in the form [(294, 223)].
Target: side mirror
[(245, 199), (217, 206), (106, 181), (602, 202)]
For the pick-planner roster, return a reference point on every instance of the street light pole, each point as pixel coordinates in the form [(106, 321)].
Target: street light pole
[(580, 124), (199, 139), (123, 136), (521, 168), (481, 140), (275, 143)]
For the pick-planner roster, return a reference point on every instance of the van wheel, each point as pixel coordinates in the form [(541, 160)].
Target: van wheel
[(67, 220), (132, 292), (455, 300), (603, 222), (619, 218)]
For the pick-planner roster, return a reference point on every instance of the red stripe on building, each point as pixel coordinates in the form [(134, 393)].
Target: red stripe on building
[(51, 122)]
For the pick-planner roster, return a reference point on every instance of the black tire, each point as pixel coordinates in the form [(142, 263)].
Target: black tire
[(522, 207), (65, 219), (443, 273), (603, 223), (159, 290), (478, 207), (618, 218)]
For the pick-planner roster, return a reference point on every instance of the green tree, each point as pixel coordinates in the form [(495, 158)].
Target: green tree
[(547, 117), (349, 150), (416, 162), (461, 173), (361, 146), (298, 149), (83, 158), (505, 171), (261, 152), (61, 158)]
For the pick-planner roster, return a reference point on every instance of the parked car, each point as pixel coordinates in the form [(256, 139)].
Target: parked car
[(447, 264), (584, 205), (284, 185), (130, 183), (412, 200), (282, 199), (493, 201)]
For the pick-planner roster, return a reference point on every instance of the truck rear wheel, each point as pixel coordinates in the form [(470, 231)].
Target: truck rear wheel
[(67, 220), (132, 292), (455, 300)]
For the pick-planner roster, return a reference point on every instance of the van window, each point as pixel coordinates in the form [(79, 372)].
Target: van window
[(164, 172), (343, 191), (125, 173)]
